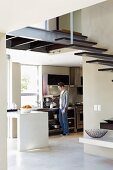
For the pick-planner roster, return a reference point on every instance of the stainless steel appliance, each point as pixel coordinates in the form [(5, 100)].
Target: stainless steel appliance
[(79, 115)]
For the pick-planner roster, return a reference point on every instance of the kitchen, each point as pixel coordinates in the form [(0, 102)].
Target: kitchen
[(50, 90)]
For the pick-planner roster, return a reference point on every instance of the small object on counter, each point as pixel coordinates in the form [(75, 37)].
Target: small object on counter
[(26, 106), (26, 109), (51, 105), (13, 106), (12, 110)]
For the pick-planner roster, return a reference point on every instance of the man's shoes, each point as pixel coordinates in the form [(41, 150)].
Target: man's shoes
[(65, 134)]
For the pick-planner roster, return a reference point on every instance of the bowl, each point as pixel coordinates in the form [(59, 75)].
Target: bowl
[(26, 110), (96, 133)]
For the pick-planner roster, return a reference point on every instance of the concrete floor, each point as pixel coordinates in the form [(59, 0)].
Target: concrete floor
[(64, 153)]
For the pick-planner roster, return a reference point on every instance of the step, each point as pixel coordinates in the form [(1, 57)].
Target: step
[(87, 48), (76, 41), (106, 142)]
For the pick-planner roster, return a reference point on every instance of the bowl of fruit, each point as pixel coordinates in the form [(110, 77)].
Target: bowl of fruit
[(26, 109)]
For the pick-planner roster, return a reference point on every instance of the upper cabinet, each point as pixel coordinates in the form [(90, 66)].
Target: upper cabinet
[(76, 76), (54, 79), (72, 75)]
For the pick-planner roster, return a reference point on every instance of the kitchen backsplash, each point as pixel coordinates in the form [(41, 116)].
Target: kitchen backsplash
[(73, 96)]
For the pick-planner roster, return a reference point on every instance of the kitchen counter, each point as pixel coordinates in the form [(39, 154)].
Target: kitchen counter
[(31, 129), (46, 109)]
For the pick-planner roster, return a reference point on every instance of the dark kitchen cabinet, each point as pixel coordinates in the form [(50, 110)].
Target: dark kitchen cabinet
[(79, 115), (72, 119), (54, 126), (78, 76), (54, 79), (72, 75)]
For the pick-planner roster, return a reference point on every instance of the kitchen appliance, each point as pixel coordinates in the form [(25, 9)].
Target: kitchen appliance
[(50, 101), (47, 101), (79, 113)]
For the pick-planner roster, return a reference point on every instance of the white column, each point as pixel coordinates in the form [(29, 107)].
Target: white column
[(3, 104), (40, 86), (16, 84), (71, 28)]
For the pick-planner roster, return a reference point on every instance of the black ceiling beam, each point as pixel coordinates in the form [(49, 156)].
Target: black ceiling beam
[(41, 49), (20, 47), (76, 41), (9, 37), (33, 46), (39, 44), (20, 41), (106, 69), (55, 47)]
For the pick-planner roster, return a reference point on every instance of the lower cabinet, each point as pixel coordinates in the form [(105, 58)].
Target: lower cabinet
[(54, 126), (79, 116)]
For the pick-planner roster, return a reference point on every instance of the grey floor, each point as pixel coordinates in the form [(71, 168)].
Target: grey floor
[(64, 153)]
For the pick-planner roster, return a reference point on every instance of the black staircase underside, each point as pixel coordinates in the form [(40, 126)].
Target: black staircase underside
[(40, 40)]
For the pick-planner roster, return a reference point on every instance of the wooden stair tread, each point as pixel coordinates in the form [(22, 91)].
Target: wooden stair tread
[(68, 33), (76, 40), (102, 62), (106, 69), (94, 54), (87, 48)]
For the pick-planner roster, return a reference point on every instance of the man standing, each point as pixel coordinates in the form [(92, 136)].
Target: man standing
[(63, 102)]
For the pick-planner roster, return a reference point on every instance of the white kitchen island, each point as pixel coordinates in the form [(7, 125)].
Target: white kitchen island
[(32, 130)]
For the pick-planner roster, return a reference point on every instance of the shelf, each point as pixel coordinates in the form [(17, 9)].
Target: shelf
[(71, 127), (71, 118), (103, 142), (106, 126), (54, 129), (54, 125)]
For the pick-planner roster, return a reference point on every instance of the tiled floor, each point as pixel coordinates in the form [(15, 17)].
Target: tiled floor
[(64, 153)]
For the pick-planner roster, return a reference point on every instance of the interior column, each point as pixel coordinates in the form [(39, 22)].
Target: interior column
[(3, 103)]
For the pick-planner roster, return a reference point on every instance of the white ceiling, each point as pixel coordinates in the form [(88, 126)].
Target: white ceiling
[(15, 14), (35, 58)]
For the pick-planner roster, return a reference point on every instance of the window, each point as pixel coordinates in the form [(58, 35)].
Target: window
[(29, 85)]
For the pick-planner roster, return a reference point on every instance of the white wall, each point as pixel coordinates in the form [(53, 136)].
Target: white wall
[(16, 84), (52, 24), (64, 21), (55, 70), (3, 103), (97, 23)]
